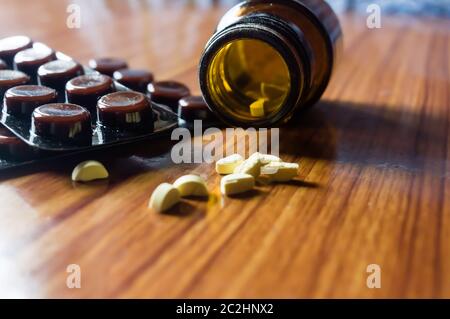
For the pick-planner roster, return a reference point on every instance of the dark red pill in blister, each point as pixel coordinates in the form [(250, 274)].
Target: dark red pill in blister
[(86, 90), (10, 46), (168, 93), (62, 122), (23, 99), (192, 108), (107, 66), (56, 74), (134, 79), (11, 78), (3, 65), (12, 147), (126, 110), (29, 60)]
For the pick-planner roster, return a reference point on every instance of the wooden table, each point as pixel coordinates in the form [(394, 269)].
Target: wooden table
[(374, 184)]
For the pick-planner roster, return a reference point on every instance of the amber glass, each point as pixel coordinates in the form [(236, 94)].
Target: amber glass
[(279, 54), (247, 78)]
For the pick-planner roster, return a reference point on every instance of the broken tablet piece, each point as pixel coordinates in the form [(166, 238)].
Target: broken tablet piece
[(89, 171), (251, 166), (236, 184), (191, 185), (257, 108), (280, 171), (266, 158), (228, 164), (164, 197)]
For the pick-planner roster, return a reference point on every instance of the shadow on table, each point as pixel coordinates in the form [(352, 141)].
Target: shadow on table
[(125, 161), (368, 135), (341, 132)]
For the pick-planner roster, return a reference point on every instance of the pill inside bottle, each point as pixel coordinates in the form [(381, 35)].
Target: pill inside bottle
[(250, 63)]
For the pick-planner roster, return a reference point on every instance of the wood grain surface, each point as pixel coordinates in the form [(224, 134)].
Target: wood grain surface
[(374, 185)]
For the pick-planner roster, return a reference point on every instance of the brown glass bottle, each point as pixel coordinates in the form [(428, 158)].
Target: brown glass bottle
[(268, 59)]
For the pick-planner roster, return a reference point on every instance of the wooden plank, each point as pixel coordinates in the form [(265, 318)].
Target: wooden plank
[(374, 182)]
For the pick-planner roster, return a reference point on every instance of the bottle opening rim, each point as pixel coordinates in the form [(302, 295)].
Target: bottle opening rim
[(296, 63)]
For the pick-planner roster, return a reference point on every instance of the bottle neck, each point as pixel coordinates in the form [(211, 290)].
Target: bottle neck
[(256, 59)]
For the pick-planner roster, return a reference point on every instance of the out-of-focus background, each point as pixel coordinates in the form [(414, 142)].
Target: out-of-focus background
[(431, 8)]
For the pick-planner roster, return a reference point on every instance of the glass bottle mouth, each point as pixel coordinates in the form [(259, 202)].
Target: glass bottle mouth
[(252, 76), (249, 79)]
